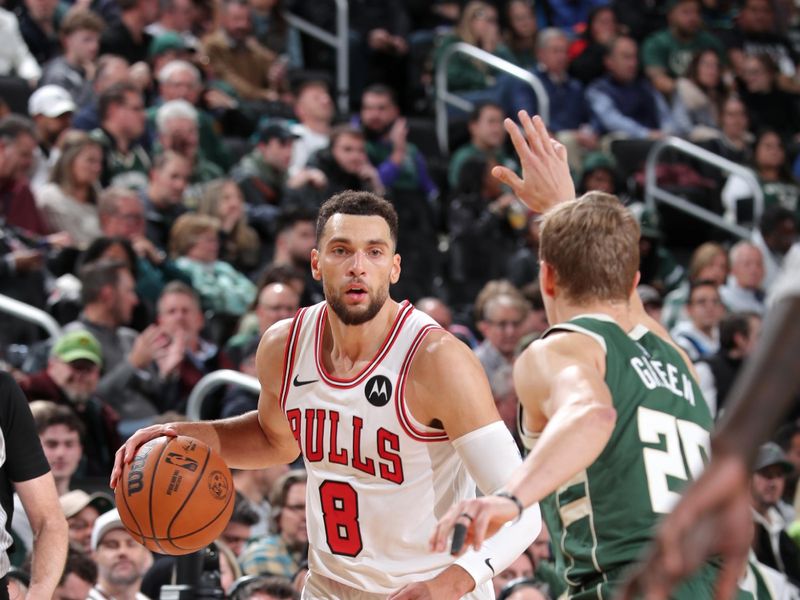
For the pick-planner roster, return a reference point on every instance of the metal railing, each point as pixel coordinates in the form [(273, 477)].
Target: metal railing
[(654, 193), (339, 41), (209, 383), (31, 314), (444, 97)]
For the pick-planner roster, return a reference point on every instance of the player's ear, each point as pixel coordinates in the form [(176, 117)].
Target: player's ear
[(395, 275), (637, 278), (315, 273), (547, 279)]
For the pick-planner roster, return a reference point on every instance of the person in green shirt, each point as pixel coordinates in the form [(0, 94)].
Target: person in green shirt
[(666, 54)]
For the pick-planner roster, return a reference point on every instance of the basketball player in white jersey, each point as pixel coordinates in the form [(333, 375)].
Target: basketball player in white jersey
[(394, 418)]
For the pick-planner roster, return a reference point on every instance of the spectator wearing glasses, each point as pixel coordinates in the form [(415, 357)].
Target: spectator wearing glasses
[(500, 310), (282, 552), (699, 336)]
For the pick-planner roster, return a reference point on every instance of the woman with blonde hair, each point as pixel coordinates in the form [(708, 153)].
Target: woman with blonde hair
[(239, 243), (69, 201), (194, 242)]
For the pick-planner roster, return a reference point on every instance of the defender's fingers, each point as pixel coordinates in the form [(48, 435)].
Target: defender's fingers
[(507, 176), (534, 137)]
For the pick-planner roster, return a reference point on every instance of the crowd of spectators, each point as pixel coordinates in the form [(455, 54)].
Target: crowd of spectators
[(162, 163)]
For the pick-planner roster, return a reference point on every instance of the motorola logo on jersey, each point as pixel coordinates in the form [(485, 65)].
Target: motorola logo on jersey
[(378, 390)]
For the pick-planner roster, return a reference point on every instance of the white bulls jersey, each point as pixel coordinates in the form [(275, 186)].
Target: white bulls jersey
[(377, 479)]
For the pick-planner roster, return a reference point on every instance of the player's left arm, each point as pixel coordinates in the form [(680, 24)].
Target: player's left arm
[(450, 390)]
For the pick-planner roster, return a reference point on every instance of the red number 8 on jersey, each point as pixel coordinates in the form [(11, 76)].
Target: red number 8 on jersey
[(340, 513)]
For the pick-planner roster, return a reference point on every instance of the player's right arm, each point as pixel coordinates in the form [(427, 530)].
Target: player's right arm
[(254, 440)]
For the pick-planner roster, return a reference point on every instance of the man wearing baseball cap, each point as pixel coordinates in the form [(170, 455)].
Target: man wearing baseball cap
[(82, 511), (51, 108), (771, 543), (121, 560)]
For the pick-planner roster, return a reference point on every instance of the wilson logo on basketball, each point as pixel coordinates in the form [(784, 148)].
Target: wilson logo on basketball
[(135, 475), (378, 390), (218, 485), (184, 462)]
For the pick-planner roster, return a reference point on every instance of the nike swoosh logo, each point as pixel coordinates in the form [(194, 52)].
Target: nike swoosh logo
[(298, 383), (488, 564)]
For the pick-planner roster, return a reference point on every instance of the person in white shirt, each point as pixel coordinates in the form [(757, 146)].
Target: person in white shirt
[(743, 291), (121, 560), (315, 111), (15, 58), (699, 336)]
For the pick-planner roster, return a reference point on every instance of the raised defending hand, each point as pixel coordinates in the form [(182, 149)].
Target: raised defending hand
[(128, 450), (546, 180), (712, 519), (482, 517)]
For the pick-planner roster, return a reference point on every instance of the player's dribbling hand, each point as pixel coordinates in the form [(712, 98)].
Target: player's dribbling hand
[(712, 519), (481, 517), (546, 179), (128, 450)]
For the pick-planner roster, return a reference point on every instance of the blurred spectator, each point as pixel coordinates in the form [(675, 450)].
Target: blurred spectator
[(81, 511), (194, 242), (166, 48), (51, 109), (344, 165), (163, 199), (273, 31), (127, 37), (175, 16), (267, 588), (477, 26), (735, 140), (599, 174), (571, 17), (525, 589), (122, 215), (39, 23), (523, 566), (17, 144), (652, 301), (70, 380), (315, 111), (15, 58), (122, 123), (738, 335), (121, 560), (128, 383), (771, 544), (60, 432), (404, 174), (69, 202), (505, 399), (441, 313), (698, 98), (520, 36), (178, 132), (487, 138), (776, 181), (587, 53), (237, 532), (755, 34), (78, 578), (482, 239), (281, 552), (500, 311), (523, 266), (709, 262), (110, 71), (180, 80), (699, 335), (188, 357), (237, 58), (743, 292), (666, 55), (569, 111), (657, 265), (239, 243), (535, 323), (622, 101), (75, 69), (768, 106), (775, 236), (296, 237), (255, 485)]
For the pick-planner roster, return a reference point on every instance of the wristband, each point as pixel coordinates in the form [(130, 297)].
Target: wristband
[(515, 500)]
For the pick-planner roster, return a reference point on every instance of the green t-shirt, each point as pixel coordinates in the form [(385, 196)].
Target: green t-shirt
[(663, 50)]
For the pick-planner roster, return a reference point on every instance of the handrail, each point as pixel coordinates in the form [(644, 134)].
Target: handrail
[(211, 382), (30, 313), (654, 193), (340, 41), (444, 97)]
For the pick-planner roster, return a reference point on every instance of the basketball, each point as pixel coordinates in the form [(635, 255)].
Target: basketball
[(176, 496)]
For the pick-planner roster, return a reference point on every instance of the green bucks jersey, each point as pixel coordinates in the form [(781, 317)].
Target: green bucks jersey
[(600, 520)]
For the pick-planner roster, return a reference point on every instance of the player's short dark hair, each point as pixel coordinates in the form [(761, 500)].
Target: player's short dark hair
[(351, 202), (97, 275), (476, 113), (113, 96), (49, 414), (732, 325), (80, 565), (243, 512), (12, 126), (273, 586), (694, 285)]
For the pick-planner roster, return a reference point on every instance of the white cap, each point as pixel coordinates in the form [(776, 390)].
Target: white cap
[(50, 101), (106, 522)]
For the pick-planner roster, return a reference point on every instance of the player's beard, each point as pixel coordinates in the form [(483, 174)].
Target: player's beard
[(347, 315)]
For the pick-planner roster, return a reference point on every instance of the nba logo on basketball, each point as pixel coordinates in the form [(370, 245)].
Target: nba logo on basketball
[(378, 390)]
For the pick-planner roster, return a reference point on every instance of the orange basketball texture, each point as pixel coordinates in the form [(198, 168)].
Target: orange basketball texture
[(176, 496)]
